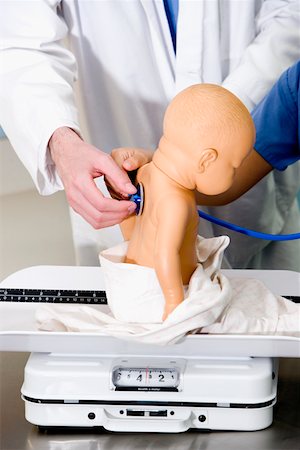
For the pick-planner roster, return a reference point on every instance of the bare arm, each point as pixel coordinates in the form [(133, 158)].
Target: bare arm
[(127, 227), (168, 243), (251, 171)]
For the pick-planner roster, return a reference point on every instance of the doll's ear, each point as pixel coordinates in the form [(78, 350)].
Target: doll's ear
[(208, 156)]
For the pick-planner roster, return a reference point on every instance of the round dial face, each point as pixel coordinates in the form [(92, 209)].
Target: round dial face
[(145, 377)]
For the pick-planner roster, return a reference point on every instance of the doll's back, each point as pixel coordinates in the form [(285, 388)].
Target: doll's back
[(154, 229)]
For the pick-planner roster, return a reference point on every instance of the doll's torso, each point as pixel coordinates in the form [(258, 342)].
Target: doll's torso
[(159, 190)]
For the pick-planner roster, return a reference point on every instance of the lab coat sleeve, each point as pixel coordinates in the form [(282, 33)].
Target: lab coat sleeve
[(36, 84), (275, 48)]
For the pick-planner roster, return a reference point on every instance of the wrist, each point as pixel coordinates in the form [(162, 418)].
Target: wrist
[(60, 137)]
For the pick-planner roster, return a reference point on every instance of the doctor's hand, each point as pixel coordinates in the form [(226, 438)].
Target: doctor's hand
[(77, 164), (129, 159)]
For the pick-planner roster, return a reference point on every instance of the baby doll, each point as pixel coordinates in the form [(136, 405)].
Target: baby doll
[(207, 133)]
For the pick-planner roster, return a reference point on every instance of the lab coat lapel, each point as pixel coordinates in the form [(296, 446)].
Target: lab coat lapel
[(198, 43), (162, 42), (189, 54)]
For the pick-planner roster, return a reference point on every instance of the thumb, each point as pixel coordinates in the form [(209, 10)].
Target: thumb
[(133, 162), (131, 158)]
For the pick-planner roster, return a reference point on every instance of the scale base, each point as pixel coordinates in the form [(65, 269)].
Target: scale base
[(49, 416), (210, 393)]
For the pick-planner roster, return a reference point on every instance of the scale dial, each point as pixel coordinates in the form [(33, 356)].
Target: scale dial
[(151, 378)]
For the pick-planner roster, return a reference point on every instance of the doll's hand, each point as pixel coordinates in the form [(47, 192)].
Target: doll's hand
[(130, 158)]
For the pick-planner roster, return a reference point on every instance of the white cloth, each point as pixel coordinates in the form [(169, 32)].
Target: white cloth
[(134, 293), (213, 304), (128, 74), (253, 309)]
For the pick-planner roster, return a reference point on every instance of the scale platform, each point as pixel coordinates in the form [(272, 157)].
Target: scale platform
[(216, 382), (18, 330)]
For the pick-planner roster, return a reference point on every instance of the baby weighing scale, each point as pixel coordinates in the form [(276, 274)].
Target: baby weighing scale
[(204, 382)]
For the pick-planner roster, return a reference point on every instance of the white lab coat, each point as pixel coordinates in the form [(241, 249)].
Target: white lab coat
[(127, 75)]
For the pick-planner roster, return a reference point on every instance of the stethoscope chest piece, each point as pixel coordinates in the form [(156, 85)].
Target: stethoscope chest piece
[(138, 199)]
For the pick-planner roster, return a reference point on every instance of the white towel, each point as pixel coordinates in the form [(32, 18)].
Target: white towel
[(213, 303), (253, 309)]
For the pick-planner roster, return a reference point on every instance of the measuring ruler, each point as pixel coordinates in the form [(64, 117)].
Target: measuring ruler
[(53, 296), (293, 298), (67, 296)]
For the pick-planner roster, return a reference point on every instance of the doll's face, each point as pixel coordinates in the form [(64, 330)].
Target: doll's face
[(218, 175), (208, 133)]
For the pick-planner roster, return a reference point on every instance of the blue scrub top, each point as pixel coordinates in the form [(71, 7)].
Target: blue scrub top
[(277, 121)]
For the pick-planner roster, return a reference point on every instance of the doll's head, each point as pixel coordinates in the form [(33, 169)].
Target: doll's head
[(208, 132)]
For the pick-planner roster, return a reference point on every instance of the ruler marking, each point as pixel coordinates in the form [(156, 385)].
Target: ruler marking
[(52, 296)]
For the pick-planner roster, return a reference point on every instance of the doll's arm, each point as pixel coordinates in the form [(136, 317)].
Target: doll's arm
[(173, 219), (127, 227)]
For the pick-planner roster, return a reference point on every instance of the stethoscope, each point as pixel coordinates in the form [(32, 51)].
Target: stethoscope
[(138, 199)]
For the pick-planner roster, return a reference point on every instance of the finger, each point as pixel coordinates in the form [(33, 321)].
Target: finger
[(133, 163), (165, 315), (115, 175), (111, 205), (120, 155), (106, 220), (94, 196), (114, 192), (131, 158), (97, 218), (137, 159)]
